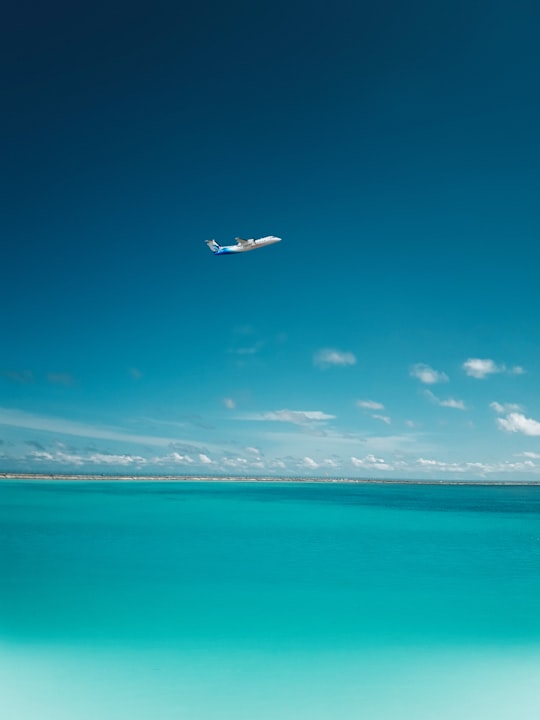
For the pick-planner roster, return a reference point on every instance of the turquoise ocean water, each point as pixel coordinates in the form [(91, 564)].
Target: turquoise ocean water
[(201, 601)]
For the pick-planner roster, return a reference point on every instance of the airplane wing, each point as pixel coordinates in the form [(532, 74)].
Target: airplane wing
[(242, 242)]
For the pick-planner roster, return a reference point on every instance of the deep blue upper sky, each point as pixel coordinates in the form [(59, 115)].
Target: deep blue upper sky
[(395, 149)]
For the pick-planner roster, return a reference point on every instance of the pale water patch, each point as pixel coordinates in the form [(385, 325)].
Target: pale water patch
[(407, 683)]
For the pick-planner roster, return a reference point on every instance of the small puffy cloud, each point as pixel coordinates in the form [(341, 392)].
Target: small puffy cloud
[(369, 405), (174, 458), (426, 462), (42, 455), (178, 458), (112, 459), (297, 417), (229, 403), (328, 357), (332, 462), (480, 368), (310, 463), (429, 464), (501, 408), (382, 418), (234, 462), (449, 402), (453, 403), (371, 462), (517, 422), (205, 459), (480, 469), (532, 455), (427, 374)]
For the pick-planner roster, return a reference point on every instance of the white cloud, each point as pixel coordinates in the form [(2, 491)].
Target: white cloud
[(328, 357), (370, 405), (479, 469), (427, 463), (119, 459), (449, 402), (331, 462), (382, 418), (176, 458), (427, 374), (235, 462), (41, 455), (505, 407), (371, 462), (229, 403), (480, 368), (453, 403), (297, 417), (517, 422), (96, 458)]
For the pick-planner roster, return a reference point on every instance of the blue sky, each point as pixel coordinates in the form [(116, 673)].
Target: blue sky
[(395, 149)]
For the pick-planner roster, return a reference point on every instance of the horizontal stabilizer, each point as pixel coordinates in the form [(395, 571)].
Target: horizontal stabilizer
[(213, 245)]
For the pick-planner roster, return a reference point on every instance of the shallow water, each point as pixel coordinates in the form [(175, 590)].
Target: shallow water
[(207, 600)]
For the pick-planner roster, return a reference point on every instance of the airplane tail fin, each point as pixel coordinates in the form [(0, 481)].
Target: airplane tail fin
[(213, 245)]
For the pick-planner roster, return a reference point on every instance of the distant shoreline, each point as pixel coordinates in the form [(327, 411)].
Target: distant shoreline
[(74, 477)]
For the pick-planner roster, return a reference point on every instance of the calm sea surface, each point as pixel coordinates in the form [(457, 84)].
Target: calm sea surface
[(206, 601)]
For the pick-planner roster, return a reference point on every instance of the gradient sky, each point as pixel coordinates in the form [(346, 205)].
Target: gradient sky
[(394, 146)]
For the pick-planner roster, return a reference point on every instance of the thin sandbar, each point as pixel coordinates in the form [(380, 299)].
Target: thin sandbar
[(74, 477)]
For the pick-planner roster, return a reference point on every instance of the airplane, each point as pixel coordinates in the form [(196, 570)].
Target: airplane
[(241, 245)]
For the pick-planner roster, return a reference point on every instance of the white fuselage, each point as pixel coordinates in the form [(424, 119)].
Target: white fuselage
[(245, 245)]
